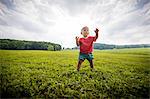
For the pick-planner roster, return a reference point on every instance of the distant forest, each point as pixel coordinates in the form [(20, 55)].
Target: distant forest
[(10, 44), (109, 46), (101, 46)]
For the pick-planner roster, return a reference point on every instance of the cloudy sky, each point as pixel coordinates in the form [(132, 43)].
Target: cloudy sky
[(59, 21)]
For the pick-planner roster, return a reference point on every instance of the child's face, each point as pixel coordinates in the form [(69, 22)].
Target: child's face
[(85, 31)]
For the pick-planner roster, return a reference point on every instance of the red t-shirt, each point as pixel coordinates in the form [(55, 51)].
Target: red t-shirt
[(86, 44)]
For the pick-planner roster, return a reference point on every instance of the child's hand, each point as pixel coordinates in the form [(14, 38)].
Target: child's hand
[(77, 41), (97, 30), (77, 38)]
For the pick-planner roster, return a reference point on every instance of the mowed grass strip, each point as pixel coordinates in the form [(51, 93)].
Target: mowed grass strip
[(119, 73)]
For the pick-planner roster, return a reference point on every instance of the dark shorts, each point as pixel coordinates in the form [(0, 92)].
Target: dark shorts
[(83, 56)]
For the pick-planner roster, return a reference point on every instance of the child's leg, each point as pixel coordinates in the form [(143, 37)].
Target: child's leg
[(91, 63), (79, 64)]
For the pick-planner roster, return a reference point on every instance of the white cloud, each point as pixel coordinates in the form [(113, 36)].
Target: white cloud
[(59, 21)]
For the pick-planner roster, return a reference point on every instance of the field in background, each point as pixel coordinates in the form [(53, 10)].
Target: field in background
[(118, 73)]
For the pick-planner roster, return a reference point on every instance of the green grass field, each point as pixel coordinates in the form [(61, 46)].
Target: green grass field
[(120, 73)]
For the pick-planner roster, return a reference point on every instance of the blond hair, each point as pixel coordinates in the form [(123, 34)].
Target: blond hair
[(84, 28)]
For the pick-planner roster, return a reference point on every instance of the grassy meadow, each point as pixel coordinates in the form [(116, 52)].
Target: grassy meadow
[(119, 73)]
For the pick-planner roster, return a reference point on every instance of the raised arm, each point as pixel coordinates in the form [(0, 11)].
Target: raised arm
[(77, 41), (96, 32)]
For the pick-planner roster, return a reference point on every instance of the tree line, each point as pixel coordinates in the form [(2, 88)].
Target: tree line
[(109, 46), (101, 46), (11, 44)]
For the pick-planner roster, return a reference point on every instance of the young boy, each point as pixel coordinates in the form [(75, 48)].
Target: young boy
[(86, 46)]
